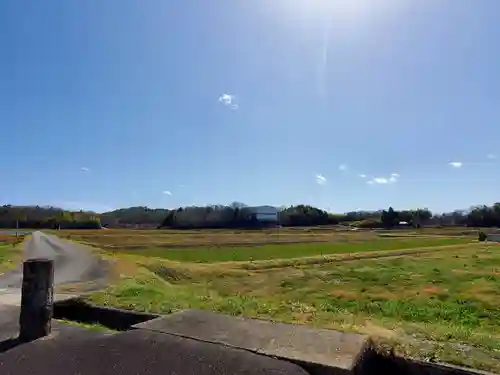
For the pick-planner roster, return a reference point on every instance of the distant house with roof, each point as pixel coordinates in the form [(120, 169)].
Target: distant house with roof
[(404, 224), (265, 215)]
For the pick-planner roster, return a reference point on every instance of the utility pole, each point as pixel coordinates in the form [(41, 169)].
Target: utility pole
[(278, 224)]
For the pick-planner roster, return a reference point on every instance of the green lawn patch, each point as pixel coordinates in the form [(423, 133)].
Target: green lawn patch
[(8, 256), (10, 251), (287, 251), (96, 327), (4, 252)]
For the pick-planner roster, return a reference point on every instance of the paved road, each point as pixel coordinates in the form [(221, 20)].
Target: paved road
[(72, 264)]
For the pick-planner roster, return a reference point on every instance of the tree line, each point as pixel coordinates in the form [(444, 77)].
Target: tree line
[(36, 217), (238, 215)]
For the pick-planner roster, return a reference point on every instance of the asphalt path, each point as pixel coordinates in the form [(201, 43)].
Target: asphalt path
[(73, 264)]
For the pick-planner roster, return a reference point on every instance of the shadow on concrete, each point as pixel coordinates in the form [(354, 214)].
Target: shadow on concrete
[(137, 352), (9, 344)]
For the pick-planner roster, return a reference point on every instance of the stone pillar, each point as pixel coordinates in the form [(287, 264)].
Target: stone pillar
[(36, 299)]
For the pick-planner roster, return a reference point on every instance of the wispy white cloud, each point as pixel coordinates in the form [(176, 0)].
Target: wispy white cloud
[(85, 169), (362, 175), (167, 192), (455, 164), (228, 100), (381, 180), (320, 180), (343, 167), (491, 156), (392, 179)]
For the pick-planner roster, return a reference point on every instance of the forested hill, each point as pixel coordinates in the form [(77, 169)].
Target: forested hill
[(238, 215), (46, 217), (142, 216), (54, 217)]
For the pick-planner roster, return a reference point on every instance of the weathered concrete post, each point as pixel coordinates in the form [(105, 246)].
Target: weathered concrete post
[(36, 299)]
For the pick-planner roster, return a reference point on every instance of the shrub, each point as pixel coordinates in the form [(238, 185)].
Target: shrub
[(370, 223), (482, 236)]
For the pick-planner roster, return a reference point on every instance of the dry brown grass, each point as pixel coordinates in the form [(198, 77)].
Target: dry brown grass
[(11, 239), (137, 239)]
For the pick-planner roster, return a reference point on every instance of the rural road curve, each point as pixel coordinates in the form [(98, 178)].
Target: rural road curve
[(73, 264)]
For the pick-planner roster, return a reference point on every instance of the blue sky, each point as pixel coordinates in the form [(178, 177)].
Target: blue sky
[(343, 104)]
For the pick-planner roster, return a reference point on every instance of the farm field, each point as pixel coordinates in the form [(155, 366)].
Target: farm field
[(422, 294), (139, 238), (439, 305), (123, 239), (224, 245), (215, 246), (212, 254)]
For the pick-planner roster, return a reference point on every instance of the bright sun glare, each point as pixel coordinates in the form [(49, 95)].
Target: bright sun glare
[(338, 9), (348, 6)]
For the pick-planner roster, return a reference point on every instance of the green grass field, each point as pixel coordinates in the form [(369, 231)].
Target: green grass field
[(4, 253), (10, 251), (212, 254), (441, 305)]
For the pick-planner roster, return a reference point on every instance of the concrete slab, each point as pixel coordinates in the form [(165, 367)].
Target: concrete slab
[(136, 352), (11, 298), (10, 310), (308, 346)]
